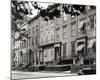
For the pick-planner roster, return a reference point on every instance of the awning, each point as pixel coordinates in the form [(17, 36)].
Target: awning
[(79, 48), (91, 42), (81, 24)]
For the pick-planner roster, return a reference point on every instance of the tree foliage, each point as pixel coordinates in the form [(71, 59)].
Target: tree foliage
[(19, 9)]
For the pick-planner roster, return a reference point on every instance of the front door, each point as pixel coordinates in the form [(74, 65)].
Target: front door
[(57, 53), (30, 53)]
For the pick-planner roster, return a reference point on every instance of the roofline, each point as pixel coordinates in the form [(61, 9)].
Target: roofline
[(35, 17)]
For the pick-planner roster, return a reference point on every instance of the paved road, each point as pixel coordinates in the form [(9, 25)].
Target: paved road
[(18, 75)]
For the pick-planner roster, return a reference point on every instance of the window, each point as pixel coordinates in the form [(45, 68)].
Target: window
[(73, 27), (94, 47), (46, 23), (20, 45), (65, 31), (36, 28), (58, 21), (46, 38), (52, 36), (82, 26), (29, 41), (24, 44), (91, 22), (41, 26), (36, 39), (73, 48), (64, 50), (41, 38), (29, 31), (87, 23), (95, 19), (90, 51), (57, 34), (26, 32), (33, 41), (33, 30)]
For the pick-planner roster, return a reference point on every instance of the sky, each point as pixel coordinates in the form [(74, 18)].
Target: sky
[(34, 11)]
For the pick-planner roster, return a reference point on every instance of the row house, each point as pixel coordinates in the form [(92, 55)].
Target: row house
[(47, 40), (69, 38), (19, 47), (86, 40), (28, 47), (64, 38), (55, 38), (34, 40)]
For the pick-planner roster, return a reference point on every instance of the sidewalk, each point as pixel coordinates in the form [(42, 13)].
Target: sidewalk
[(41, 74), (59, 72)]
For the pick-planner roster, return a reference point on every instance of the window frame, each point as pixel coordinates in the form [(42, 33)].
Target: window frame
[(64, 31), (73, 24)]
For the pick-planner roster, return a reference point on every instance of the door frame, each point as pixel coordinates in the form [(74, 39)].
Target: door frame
[(57, 45)]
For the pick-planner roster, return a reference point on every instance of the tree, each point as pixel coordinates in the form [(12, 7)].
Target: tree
[(19, 9)]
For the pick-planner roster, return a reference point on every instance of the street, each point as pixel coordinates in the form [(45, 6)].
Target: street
[(19, 75)]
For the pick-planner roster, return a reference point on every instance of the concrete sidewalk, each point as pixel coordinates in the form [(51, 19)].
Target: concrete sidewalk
[(41, 74)]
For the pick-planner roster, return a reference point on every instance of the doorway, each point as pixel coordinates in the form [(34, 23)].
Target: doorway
[(57, 53)]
